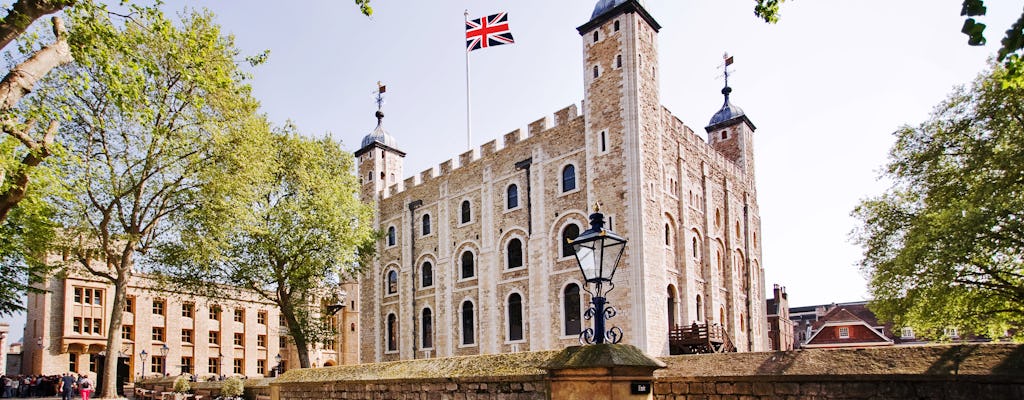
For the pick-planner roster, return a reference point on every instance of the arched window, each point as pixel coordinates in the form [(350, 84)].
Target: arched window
[(721, 316), (515, 317), (618, 61), (616, 26), (668, 235), (596, 72), (427, 274), (391, 236), (571, 308), (515, 253), (466, 214), (427, 322), (426, 224), (571, 231), (738, 229), (700, 309), (671, 306), (695, 248), (512, 200), (392, 332), (392, 282), (467, 323), (569, 177), (467, 265)]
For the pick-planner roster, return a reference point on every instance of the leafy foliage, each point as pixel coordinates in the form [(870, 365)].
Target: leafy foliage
[(232, 387), (297, 229), (364, 7), (1010, 48), (944, 247), (151, 109), (181, 384)]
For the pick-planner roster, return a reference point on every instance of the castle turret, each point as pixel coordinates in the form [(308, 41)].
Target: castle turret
[(379, 160), (731, 132)]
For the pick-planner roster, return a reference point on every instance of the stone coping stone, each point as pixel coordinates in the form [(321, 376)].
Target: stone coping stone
[(927, 360), (492, 367), (602, 356), (169, 382)]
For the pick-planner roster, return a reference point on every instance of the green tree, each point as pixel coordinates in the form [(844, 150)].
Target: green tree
[(1010, 50), (945, 245), (26, 231), (302, 228), (152, 110)]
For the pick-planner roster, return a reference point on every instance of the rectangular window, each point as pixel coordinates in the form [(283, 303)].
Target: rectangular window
[(73, 362), (186, 335), (96, 326), (281, 321), (87, 325), (158, 307), (261, 340), (261, 367), (126, 332), (92, 362), (76, 325), (187, 310), (844, 332), (158, 334), (97, 297), (215, 337), (239, 339), (215, 312), (281, 342), (186, 365), (239, 315), (87, 298), (157, 365), (78, 295), (129, 304), (261, 318), (238, 366), (214, 366)]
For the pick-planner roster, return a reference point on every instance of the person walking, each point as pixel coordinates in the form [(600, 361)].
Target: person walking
[(85, 387), (66, 387)]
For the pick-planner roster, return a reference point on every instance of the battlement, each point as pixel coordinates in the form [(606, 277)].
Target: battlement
[(714, 158), (467, 158)]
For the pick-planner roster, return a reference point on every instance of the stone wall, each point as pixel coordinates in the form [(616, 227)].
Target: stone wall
[(992, 371)]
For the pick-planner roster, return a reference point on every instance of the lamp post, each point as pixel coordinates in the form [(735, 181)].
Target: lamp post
[(143, 356), (163, 353), (278, 359), (597, 252)]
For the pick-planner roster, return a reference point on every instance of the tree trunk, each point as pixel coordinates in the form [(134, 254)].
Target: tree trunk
[(23, 13), (301, 345), (109, 389)]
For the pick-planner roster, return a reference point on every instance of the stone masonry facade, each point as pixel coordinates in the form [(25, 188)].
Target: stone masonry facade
[(487, 228)]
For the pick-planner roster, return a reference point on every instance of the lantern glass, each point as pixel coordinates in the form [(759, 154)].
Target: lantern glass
[(598, 256)]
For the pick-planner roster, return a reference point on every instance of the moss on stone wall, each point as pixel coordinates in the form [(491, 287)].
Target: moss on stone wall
[(974, 359), (519, 365)]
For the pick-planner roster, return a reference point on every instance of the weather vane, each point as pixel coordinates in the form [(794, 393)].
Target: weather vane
[(726, 62), (380, 95)]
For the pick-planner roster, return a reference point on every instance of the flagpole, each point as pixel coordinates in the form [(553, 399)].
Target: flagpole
[(469, 110)]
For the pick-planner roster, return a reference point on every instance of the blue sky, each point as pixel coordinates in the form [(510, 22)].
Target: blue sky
[(825, 87)]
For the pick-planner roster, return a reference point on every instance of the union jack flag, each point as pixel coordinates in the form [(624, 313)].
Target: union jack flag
[(488, 31)]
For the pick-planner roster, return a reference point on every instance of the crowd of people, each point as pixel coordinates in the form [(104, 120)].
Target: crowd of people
[(44, 385)]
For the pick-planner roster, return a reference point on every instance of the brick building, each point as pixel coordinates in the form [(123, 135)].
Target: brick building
[(780, 327), (475, 260), (237, 333)]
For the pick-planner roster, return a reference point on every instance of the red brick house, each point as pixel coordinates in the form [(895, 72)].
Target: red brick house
[(850, 325)]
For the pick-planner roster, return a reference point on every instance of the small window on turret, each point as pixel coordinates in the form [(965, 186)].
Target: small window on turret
[(596, 36), (618, 61), (382, 175), (725, 135), (616, 26), (596, 72)]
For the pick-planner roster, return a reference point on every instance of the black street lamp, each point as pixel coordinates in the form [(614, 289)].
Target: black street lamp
[(163, 353), (597, 252), (278, 359), (143, 356)]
